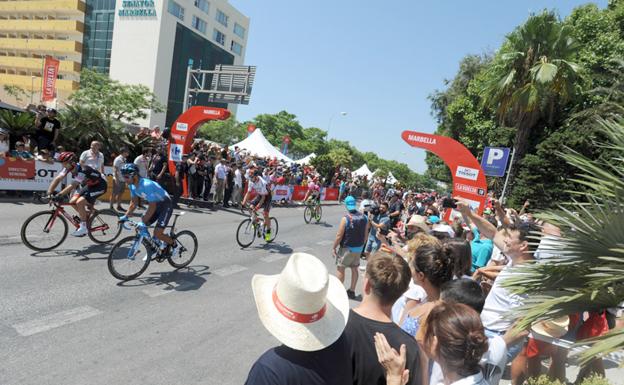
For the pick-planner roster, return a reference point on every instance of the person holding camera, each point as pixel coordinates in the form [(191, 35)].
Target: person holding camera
[(380, 221)]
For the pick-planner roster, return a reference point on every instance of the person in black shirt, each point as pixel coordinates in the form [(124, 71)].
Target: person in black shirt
[(209, 167), (229, 186), (315, 350), (181, 173), (48, 131), (395, 209), (387, 277)]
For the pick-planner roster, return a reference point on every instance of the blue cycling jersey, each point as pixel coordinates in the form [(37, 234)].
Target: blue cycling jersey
[(148, 190)]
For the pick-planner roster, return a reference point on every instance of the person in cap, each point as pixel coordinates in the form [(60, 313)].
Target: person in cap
[(387, 277), (349, 243), (305, 309)]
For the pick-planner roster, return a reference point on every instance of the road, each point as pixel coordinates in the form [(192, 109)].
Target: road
[(65, 320)]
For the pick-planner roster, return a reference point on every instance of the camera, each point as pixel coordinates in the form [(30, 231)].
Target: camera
[(449, 203)]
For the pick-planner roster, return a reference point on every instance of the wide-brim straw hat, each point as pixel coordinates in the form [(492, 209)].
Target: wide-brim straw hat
[(304, 307), (553, 328)]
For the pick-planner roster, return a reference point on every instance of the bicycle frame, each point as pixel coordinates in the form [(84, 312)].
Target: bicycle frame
[(152, 240), (60, 210)]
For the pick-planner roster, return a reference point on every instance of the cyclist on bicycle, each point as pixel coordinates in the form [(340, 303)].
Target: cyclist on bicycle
[(159, 209), (89, 182), (314, 191), (259, 188)]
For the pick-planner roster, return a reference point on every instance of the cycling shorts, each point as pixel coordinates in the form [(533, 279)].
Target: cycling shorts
[(266, 206), (91, 192), (163, 212)]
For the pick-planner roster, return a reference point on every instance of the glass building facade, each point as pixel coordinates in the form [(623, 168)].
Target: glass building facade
[(98, 34), (190, 46)]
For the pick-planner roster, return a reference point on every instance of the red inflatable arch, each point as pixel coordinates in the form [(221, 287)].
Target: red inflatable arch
[(184, 128), (468, 177)]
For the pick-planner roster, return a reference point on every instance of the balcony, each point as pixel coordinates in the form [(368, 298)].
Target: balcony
[(37, 64), (42, 45), (26, 82), (42, 26), (52, 6)]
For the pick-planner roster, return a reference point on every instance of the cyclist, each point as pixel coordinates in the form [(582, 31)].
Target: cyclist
[(259, 187), (314, 191), (159, 209), (90, 184)]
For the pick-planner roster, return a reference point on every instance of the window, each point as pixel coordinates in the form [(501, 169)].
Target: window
[(238, 30), (236, 48), (199, 24), (222, 18), (175, 9), (203, 5), (219, 37)]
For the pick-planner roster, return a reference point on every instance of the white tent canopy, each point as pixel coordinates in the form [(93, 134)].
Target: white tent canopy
[(390, 179), (307, 159), (364, 171), (256, 144)]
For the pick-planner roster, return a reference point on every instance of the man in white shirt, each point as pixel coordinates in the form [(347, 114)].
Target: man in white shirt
[(142, 162), (515, 244), (119, 185), (93, 157), (238, 185), (220, 174)]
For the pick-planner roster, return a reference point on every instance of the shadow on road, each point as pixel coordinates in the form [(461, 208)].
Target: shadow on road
[(84, 254), (280, 248), (185, 279)]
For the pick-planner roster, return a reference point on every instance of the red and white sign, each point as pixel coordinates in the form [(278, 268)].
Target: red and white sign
[(40, 179), (299, 192), (50, 73), (15, 168), (329, 194), (281, 192)]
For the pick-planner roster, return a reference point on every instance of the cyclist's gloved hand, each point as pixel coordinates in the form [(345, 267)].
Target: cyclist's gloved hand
[(142, 226), (123, 218)]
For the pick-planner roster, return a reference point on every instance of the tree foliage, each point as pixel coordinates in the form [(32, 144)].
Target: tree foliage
[(113, 100), (223, 131), (543, 88)]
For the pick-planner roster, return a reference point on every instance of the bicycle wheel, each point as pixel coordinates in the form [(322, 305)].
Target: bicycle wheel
[(188, 241), (307, 214), (127, 260), (274, 229), (104, 226), (319, 213), (41, 231), (246, 233)]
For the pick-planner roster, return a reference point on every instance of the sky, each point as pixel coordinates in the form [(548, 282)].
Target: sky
[(376, 61)]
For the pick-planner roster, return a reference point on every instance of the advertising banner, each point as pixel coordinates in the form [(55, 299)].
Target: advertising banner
[(299, 192), (468, 177), (50, 73), (329, 194), (15, 168), (281, 192)]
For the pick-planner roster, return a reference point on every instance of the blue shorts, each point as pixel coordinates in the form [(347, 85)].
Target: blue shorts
[(163, 212), (513, 350), (372, 245)]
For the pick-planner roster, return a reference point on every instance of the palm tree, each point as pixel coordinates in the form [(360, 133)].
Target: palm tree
[(18, 123), (587, 272), (532, 77)]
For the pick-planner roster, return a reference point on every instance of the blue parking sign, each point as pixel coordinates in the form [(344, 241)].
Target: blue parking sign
[(494, 161)]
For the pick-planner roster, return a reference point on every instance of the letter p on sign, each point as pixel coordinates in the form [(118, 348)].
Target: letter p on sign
[(494, 161)]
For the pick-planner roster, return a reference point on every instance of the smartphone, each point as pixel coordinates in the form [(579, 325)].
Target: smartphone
[(449, 203)]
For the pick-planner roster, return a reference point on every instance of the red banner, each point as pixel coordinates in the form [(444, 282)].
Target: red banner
[(331, 194), (299, 193), (50, 73), (468, 177), (13, 168)]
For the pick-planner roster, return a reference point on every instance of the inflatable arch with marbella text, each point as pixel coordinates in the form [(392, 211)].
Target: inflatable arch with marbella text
[(468, 178), (183, 132)]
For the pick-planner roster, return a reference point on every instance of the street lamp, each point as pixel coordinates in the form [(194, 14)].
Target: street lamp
[(332, 118), (32, 88)]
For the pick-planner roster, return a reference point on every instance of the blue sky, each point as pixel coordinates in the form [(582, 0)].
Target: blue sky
[(377, 61)]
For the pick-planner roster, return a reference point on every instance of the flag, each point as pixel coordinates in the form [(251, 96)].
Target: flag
[(50, 73)]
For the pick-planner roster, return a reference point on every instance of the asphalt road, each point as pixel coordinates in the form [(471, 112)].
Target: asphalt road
[(65, 320)]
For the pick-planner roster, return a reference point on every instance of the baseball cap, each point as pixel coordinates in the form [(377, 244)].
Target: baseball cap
[(350, 203)]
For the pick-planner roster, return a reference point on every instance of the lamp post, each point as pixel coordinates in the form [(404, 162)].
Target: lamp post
[(32, 88), (332, 118)]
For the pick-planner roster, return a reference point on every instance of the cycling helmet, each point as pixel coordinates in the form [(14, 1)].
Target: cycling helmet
[(67, 156), (130, 169)]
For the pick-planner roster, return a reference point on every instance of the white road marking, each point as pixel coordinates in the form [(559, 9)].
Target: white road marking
[(303, 249), (166, 288), (273, 258), (56, 320), (325, 243), (229, 270)]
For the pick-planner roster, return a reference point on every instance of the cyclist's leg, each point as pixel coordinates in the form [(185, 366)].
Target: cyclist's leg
[(267, 209), (161, 218)]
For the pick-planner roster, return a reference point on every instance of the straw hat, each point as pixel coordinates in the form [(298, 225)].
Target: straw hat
[(419, 221), (304, 307), (553, 328)]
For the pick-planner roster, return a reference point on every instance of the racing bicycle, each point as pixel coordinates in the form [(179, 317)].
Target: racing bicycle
[(46, 230), (253, 227), (313, 211), (131, 256)]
